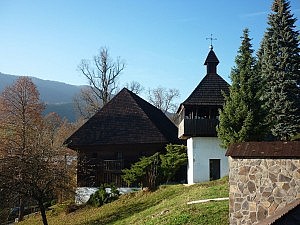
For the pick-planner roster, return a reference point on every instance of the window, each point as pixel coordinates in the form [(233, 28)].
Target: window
[(119, 155)]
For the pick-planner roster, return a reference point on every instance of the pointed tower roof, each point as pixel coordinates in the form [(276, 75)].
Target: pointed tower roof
[(211, 57), (209, 90), (125, 119)]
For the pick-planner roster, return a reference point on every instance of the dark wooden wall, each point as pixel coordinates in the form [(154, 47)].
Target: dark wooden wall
[(99, 165)]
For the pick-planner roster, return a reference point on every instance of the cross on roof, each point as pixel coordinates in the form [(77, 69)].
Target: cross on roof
[(211, 39)]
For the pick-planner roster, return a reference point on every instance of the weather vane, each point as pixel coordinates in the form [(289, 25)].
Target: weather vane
[(211, 39)]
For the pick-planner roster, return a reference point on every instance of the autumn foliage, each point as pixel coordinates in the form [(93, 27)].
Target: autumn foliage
[(34, 165)]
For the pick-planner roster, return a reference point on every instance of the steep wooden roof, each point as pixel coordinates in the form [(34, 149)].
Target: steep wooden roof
[(208, 91), (211, 58), (125, 119)]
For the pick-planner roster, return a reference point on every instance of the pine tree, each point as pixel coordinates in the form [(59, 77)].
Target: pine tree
[(242, 116), (280, 69)]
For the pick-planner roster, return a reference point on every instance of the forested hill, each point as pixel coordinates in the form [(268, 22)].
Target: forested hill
[(58, 96), (52, 92)]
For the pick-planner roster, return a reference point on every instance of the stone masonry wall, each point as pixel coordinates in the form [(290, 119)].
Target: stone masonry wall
[(260, 187)]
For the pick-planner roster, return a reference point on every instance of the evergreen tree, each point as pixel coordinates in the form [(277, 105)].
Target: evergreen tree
[(280, 69), (242, 116)]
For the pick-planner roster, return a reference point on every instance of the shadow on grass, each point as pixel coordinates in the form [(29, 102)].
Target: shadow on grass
[(128, 210), (123, 212)]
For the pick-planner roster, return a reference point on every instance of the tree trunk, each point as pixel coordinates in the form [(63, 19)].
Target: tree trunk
[(43, 212), (21, 209)]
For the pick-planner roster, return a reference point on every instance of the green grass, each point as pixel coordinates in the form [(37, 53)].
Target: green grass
[(167, 205)]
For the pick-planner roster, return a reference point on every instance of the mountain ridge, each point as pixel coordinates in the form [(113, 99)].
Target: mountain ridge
[(57, 96), (50, 91)]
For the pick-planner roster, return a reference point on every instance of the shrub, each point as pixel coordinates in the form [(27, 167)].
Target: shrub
[(72, 207), (101, 197), (174, 158), (156, 169), (144, 172)]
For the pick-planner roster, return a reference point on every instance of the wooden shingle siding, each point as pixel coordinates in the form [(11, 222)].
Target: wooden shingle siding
[(126, 119), (208, 92)]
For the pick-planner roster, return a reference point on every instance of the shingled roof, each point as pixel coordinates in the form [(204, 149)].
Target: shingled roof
[(209, 90), (275, 149), (211, 58), (125, 119), (278, 214)]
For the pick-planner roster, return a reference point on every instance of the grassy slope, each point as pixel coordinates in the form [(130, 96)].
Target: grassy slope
[(167, 205)]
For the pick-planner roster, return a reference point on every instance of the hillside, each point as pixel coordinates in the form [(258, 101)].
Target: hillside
[(167, 205), (58, 96), (64, 110), (51, 92)]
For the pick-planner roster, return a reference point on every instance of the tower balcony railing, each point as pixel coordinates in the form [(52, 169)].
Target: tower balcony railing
[(197, 128)]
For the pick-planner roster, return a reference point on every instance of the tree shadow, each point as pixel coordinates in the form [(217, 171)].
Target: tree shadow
[(122, 213), (129, 209)]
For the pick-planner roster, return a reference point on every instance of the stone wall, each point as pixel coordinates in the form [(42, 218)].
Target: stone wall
[(260, 187)]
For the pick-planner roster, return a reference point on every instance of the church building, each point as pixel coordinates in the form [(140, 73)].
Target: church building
[(118, 135), (198, 119)]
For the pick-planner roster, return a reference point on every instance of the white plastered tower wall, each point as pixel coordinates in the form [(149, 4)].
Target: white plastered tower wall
[(200, 151)]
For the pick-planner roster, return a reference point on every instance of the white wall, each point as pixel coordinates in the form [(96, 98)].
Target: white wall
[(200, 150), (83, 194)]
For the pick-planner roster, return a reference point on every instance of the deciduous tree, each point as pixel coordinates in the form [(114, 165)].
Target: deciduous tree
[(29, 163), (56, 131), (164, 99), (135, 87), (102, 74), (21, 112)]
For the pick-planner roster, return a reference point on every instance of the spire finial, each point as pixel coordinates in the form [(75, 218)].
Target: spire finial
[(211, 39)]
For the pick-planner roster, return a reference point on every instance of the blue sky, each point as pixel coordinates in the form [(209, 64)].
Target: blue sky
[(163, 42)]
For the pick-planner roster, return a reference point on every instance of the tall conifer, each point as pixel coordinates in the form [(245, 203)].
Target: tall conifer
[(280, 69), (242, 118)]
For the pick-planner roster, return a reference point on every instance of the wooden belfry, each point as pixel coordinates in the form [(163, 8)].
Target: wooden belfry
[(199, 112), (198, 118)]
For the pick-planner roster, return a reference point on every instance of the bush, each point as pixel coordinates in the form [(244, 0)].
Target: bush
[(144, 172), (101, 197), (156, 169), (72, 207), (172, 160)]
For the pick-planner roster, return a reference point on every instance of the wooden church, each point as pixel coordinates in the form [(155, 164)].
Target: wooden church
[(198, 119), (121, 132)]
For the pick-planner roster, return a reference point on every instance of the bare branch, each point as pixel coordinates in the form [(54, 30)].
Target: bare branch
[(102, 75), (135, 87), (164, 99)]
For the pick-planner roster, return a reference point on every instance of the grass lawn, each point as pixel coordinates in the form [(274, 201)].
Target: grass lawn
[(167, 205)]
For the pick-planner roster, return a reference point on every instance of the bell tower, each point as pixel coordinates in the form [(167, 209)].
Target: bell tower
[(198, 119)]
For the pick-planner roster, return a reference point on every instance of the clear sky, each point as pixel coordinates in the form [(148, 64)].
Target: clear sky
[(163, 42)]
